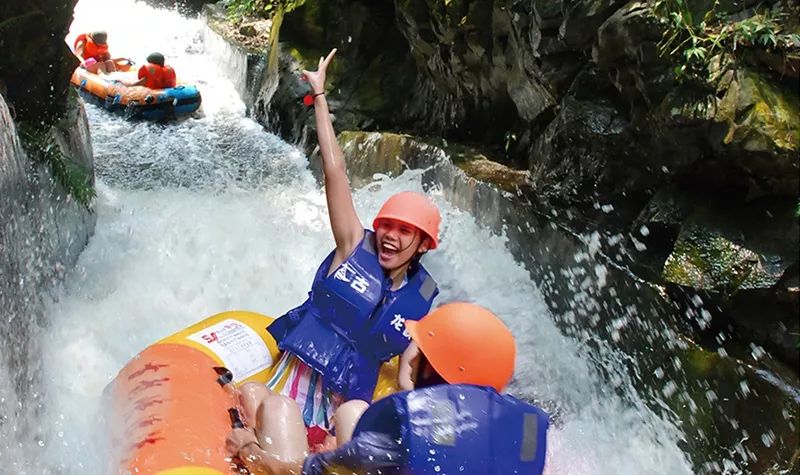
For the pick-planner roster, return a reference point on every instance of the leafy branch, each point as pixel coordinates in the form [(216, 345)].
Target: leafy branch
[(10, 22), (700, 40), (237, 9), (40, 143)]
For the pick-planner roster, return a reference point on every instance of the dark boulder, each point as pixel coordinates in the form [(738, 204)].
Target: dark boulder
[(36, 63)]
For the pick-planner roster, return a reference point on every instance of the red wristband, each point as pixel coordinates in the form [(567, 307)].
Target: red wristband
[(308, 99)]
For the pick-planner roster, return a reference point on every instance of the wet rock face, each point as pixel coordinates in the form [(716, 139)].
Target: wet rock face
[(36, 63), (368, 83), (42, 232), (243, 59), (43, 228), (628, 132), (762, 131), (740, 254), (743, 134), (474, 61), (531, 76), (590, 147)]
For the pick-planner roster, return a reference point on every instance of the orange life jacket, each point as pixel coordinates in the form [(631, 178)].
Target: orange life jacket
[(92, 49), (168, 78), (157, 77)]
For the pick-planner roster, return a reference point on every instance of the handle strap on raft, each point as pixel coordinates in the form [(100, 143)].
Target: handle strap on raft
[(224, 375), (236, 419)]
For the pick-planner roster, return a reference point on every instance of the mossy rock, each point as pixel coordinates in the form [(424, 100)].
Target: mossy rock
[(368, 153), (717, 399), (760, 114), (706, 260), (389, 153), (220, 23), (487, 171), (36, 63)]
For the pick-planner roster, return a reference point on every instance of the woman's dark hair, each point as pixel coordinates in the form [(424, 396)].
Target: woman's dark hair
[(427, 375), (99, 37), (156, 58)]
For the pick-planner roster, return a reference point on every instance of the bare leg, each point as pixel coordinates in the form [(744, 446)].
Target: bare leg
[(250, 397), (280, 429), (346, 418), (282, 445), (110, 66)]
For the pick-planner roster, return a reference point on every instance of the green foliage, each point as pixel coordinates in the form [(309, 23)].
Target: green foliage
[(8, 23), (39, 142), (260, 8), (715, 38)]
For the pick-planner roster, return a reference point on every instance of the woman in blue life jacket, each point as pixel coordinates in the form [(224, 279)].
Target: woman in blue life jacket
[(455, 421), (336, 341)]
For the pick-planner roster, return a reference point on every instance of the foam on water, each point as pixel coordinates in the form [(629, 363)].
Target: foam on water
[(215, 214)]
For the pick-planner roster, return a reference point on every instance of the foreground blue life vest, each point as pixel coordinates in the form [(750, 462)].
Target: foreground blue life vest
[(352, 321), (454, 429)]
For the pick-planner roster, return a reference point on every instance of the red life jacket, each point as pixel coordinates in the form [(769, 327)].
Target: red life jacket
[(92, 49), (168, 77), (157, 77)]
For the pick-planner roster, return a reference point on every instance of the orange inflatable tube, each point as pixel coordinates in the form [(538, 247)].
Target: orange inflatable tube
[(168, 414), (135, 101)]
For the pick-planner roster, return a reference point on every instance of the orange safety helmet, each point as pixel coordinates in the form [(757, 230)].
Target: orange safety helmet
[(414, 209), (466, 344)]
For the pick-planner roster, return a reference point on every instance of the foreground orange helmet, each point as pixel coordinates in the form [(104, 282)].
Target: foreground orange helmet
[(414, 209), (466, 344)]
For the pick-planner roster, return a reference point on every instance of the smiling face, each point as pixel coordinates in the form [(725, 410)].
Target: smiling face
[(398, 242)]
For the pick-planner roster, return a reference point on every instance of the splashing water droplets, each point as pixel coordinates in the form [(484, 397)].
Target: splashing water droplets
[(213, 213)]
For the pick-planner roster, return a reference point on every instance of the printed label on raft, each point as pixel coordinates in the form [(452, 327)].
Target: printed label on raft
[(238, 346)]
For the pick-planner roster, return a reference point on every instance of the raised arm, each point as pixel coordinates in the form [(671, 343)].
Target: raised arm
[(345, 224)]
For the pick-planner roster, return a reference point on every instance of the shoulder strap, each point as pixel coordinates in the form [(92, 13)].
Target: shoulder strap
[(519, 435), (424, 283)]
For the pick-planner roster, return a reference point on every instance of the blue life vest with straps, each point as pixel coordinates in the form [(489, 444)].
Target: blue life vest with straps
[(453, 429), (352, 321)]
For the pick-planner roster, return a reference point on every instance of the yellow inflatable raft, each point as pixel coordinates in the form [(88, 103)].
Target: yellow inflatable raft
[(168, 413)]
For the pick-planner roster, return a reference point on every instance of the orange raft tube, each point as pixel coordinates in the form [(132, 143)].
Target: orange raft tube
[(135, 101), (168, 414)]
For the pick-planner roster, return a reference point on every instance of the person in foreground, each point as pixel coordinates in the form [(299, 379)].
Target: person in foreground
[(455, 421), (155, 74), (335, 342), (92, 50)]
